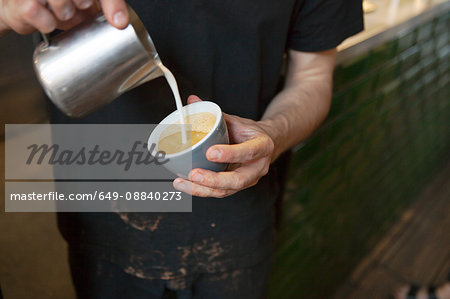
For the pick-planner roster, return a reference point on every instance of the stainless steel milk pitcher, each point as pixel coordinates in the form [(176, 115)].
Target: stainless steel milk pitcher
[(93, 63)]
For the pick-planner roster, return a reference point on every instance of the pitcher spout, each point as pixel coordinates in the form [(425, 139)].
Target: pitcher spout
[(141, 76), (155, 72)]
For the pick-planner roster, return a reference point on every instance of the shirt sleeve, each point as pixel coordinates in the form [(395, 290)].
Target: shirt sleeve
[(319, 25)]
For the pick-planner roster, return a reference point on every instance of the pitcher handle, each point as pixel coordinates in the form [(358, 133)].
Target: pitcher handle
[(45, 38)]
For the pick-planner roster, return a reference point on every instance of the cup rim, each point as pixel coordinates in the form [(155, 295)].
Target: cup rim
[(154, 136)]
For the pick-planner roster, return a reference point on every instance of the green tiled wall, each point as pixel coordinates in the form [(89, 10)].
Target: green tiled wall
[(387, 131)]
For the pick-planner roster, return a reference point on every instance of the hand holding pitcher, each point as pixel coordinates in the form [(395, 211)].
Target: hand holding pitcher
[(90, 65), (27, 16)]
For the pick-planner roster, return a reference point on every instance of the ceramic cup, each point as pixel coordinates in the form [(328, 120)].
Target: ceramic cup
[(181, 163)]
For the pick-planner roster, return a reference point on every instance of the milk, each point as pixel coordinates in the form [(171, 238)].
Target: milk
[(176, 94), (170, 139)]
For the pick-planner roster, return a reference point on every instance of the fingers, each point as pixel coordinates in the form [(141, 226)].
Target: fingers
[(242, 177), (192, 99), (36, 15), (63, 9), (83, 4), (205, 183), (80, 16), (200, 191), (249, 150), (26, 16), (116, 12)]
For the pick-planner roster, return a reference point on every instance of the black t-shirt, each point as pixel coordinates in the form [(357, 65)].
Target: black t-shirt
[(229, 52)]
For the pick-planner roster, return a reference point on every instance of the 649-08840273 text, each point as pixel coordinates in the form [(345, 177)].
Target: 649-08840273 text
[(59, 196)]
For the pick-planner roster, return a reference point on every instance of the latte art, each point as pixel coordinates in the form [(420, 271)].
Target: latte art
[(170, 139)]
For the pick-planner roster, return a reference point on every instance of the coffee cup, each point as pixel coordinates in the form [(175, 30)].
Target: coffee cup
[(192, 155)]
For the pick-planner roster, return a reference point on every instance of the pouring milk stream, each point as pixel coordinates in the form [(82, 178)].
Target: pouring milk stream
[(118, 61), (176, 94)]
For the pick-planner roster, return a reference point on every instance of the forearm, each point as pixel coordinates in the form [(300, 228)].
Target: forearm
[(295, 113), (301, 106)]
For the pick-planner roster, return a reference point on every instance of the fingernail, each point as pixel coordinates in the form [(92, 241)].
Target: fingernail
[(183, 186), (214, 155), (179, 183), (68, 12), (197, 177), (85, 4), (119, 19)]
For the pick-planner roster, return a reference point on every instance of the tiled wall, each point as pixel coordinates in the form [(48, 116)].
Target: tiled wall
[(387, 131)]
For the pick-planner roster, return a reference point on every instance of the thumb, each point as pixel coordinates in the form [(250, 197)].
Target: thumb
[(116, 12), (192, 99)]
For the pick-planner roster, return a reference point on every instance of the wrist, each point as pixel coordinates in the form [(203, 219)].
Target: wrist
[(269, 127)]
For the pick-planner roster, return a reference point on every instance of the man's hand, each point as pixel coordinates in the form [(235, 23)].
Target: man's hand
[(27, 16), (292, 116), (250, 158)]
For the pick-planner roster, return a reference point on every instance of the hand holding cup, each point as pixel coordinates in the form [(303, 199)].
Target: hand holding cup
[(249, 157)]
